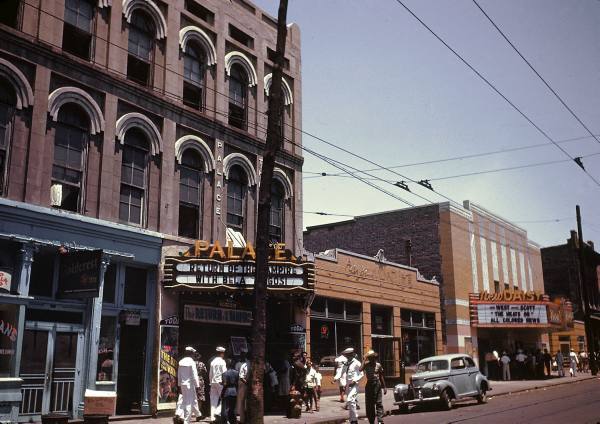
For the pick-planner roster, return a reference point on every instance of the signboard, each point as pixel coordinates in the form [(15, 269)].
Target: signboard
[(239, 345), (79, 274), (132, 318), (297, 328), (209, 314), (515, 313), (167, 379), (5, 278), (172, 320)]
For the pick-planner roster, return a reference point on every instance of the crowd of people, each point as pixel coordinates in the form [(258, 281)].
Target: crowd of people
[(534, 364)]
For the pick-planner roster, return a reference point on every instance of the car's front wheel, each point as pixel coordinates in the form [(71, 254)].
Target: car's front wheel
[(482, 396), (446, 400)]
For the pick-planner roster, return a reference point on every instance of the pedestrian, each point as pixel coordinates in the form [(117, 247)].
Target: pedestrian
[(217, 368), (490, 365), (560, 363), (539, 364), (547, 358), (310, 384), (229, 393), (319, 378), (202, 374), (187, 379), (352, 373), (520, 360), (505, 360), (583, 361), (242, 392), (574, 360), (375, 385), (340, 362)]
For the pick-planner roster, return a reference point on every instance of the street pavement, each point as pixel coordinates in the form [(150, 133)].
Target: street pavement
[(570, 400)]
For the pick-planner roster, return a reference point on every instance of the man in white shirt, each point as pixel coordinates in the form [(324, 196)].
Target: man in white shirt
[(243, 387), (505, 360), (340, 361), (215, 375), (188, 381), (353, 374)]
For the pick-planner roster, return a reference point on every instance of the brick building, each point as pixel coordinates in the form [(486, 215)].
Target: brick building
[(467, 249), (562, 279), (130, 127)]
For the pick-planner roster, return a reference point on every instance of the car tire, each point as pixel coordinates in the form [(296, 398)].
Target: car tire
[(482, 396), (403, 409), (446, 400)]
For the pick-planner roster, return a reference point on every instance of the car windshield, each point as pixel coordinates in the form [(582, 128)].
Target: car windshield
[(432, 366)]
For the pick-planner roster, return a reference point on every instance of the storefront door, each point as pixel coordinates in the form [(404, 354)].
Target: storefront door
[(50, 364), (388, 348), (132, 357)]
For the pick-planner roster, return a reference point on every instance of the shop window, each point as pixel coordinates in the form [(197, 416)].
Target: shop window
[(133, 177), (110, 284), (190, 194), (141, 48), (317, 308), (135, 286), (353, 310), (348, 335), (238, 97), (11, 12), (193, 74), (236, 196), (335, 308), (199, 11), (381, 320), (8, 101), (8, 338), (45, 315), (418, 335), (106, 348), (70, 143), (77, 29), (277, 213), (42, 274)]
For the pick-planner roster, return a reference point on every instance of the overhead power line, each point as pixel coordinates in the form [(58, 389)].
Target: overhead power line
[(495, 89), (560, 99)]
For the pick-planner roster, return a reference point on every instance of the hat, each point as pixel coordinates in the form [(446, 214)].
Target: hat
[(220, 349), (190, 349), (347, 351), (371, 353)]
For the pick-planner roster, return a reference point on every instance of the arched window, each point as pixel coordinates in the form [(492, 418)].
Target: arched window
[(190, 193), (236, 196), (193, 73), (238, 97), (70, 144), (277, 213), (77, 29), (134, 179), (8, 100), (141, 48)]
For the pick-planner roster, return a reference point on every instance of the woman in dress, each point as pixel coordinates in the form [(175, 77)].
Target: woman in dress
[(202, 372)]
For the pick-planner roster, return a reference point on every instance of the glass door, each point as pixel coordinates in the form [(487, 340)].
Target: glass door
[(49, 369)]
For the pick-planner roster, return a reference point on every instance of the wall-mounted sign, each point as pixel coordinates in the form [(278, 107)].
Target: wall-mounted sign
[(239, 345), (512, 296), (79, 275), (209, 314), (237, 273), (132, 318), (511, 314), (5, 278), (172, 320), (297, 328)]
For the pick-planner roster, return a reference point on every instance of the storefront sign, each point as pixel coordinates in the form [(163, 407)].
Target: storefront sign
[(511, 296), (511, 314), (210, 273), (209, 314), (132, 318), (297, 328), (204, 249), (5, 278), (172, 320), (79, 274)]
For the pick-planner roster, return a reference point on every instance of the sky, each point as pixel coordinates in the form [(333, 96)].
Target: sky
[(377, 83)]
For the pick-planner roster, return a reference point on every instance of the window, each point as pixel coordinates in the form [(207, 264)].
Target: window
[(457, 364), (8, 341), (238, 94), (11, 12), (277, 213), (77, 30), (135, 286), (469, 362), (190, 194), (7, 110), (381, 320), (497, 286), (418, 335), (199, 11), (133, 177), (141, 48), (110, 284), (240, 36), (70, 143), (106, 348), (236, 195), (193, 73), (42, 274)]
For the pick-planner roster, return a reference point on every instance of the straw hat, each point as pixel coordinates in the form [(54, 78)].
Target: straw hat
[(370, 353)]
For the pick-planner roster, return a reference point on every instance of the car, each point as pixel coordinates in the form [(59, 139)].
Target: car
[(443, 379), (327, 361)]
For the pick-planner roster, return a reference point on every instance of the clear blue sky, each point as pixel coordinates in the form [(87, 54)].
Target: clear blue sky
[(378, 84)]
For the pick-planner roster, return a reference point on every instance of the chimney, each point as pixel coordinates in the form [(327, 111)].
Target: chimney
[(591, 244), (573, 239)]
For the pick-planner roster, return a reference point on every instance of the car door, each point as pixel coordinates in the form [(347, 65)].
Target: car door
[(473, 370), (459, 375)]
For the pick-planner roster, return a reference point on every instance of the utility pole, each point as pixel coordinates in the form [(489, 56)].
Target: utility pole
[(584, 295), (255, 404)]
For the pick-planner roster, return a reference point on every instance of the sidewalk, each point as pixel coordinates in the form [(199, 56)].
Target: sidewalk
[(332, 411)]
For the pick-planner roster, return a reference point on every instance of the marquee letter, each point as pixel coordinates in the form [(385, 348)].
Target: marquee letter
[(249, 251), (217, 250)]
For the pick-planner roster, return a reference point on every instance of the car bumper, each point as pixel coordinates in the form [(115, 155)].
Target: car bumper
[(418, 400), (416, 396)]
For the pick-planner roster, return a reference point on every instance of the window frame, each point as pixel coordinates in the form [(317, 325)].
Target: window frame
[(134, 58), (273, 236), (200, 187), (238, 75), (131, 186), (78, 30), (241, 180), (189, 83), (5, 149)]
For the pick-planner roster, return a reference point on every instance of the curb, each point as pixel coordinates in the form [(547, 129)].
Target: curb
[(388, 412)]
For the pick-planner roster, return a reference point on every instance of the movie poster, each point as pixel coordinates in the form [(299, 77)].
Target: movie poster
[(167, 380)]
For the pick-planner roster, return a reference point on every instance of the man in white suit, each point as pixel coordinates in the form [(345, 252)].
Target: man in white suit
[(215, 375), (187, 379)]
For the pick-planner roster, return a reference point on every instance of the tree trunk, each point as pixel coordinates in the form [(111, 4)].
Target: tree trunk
[(255, 403)]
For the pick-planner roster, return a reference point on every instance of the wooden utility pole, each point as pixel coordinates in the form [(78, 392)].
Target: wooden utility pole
[(255, 402), (584, 295)]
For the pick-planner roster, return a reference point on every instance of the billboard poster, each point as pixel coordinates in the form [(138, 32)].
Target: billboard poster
[(167, 379)]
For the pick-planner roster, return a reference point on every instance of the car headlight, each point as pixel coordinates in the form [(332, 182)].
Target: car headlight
[(436, 387)]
